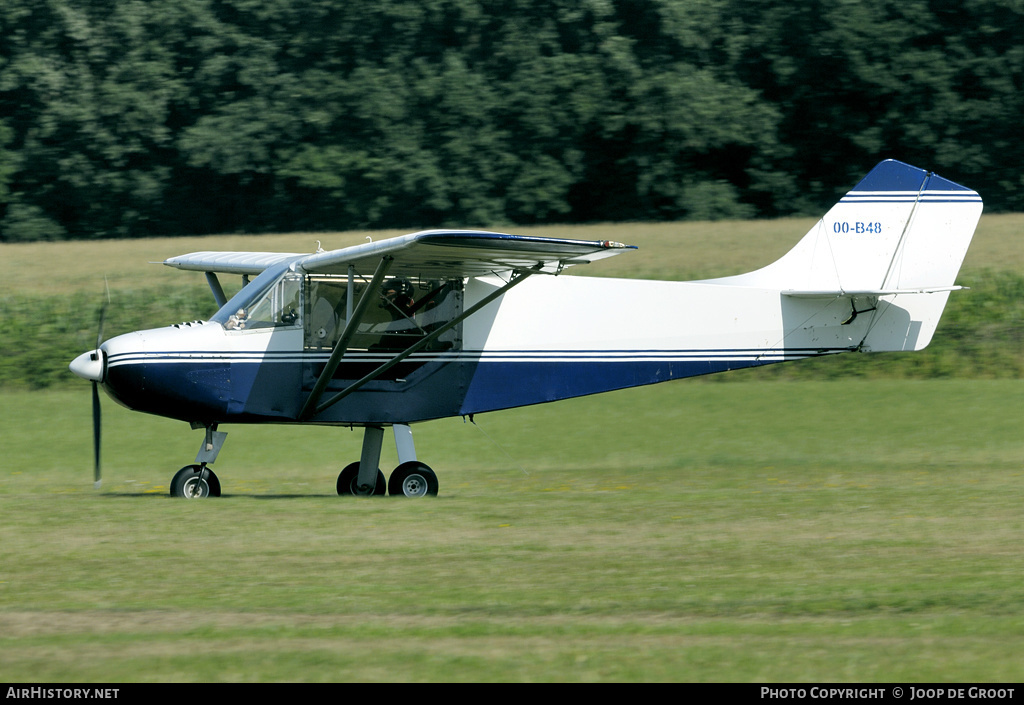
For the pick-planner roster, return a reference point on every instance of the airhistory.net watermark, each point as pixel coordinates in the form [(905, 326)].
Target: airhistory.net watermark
[(41, 693)]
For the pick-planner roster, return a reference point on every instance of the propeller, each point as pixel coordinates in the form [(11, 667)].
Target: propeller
[(97, 416), (92, 366)]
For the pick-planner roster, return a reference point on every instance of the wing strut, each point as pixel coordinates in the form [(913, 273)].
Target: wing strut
[(216, 288), (354, 319), (520, 276)]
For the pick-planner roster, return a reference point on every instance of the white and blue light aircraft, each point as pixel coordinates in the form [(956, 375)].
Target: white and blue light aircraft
[(448, 323)]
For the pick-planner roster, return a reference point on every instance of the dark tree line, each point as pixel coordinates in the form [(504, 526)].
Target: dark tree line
[(126, 118)]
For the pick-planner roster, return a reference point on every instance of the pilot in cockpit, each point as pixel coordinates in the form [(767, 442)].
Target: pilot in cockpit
[(237, 320), (397, 297)]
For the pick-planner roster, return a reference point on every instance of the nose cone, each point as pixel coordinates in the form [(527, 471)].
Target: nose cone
[(89, 365)]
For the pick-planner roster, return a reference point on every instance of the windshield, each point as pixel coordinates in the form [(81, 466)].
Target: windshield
[(271, 300)]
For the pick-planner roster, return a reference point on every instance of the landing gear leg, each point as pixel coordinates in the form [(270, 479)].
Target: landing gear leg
[(411, 478), (403, 443), (365, 478)]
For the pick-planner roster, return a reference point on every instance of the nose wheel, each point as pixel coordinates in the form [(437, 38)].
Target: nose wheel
[(195, 482)]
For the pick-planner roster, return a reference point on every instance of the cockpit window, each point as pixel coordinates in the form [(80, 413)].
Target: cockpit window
[(280, 306), (265, 304)]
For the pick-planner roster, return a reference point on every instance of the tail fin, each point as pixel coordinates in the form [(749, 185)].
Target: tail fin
[(895, 243)]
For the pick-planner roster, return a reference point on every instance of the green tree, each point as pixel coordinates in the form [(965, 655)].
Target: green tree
[(931, 82), (125, 118), (87, 92)]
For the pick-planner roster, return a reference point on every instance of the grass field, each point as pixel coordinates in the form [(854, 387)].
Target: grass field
[(846, 530), (757, 531)]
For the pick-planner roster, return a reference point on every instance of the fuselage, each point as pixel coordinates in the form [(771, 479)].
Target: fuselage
[(550, 338)]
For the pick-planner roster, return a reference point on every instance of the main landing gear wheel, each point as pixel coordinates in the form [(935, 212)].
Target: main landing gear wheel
[(350, 475), (412, 479), (187, 484)]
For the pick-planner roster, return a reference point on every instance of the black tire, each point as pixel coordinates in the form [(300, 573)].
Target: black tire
[(185, 480), (413, 479), (347, 481)]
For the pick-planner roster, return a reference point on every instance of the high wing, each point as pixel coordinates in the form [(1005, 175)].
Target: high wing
[(431, 253), (230, 262)]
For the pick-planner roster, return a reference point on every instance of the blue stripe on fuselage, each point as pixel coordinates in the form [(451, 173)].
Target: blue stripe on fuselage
[(227, 390)]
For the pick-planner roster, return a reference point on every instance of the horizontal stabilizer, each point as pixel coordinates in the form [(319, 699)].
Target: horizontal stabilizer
[(840, 293)]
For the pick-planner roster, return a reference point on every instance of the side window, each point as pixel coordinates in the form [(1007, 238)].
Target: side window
[(325, 319), (401, 314)]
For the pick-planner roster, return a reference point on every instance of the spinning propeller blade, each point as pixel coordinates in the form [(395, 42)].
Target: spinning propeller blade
[(103, 318), (96, 434), (96, 412)]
